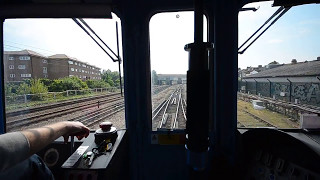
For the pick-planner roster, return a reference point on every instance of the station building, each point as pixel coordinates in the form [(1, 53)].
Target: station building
[(27, 64)]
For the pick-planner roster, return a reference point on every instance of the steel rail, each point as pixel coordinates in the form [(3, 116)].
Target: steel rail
[(167, 104), (158, 109), (52, 115), (177, 110), (54, 105), (61, 110)]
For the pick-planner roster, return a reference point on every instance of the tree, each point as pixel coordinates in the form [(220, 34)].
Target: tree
[(154, 77), (274, 62), (112, 78)]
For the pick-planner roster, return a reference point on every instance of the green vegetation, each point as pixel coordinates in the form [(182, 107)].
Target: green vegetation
[(275, 118), (37, 87), (67, 83), (112, 78), (18, 92)]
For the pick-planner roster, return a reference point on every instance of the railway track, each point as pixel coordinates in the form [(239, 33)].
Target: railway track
[(171, 112), (268, 124), (17, 122), (90, 111), (54, 105)]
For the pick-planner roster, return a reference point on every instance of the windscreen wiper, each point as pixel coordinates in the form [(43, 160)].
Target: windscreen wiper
[(277, 15), (116, 55), (84, 29)]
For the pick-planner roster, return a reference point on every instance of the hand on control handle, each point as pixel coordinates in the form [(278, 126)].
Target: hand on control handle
[(76, 129)]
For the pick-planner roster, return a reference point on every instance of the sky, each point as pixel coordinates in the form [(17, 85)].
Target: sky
[(296, 35), (64, 36)]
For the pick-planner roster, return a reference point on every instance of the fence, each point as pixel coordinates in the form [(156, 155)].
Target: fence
[(295, 92), (25, 98)]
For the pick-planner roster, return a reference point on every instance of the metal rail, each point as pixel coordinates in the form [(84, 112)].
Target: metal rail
[(51, 115), (54, 105), (167, 104), (177, 111)]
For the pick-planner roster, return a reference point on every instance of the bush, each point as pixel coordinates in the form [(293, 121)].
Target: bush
[(46, 82), (67, 83), (11, 89), (37, 87), (24, 88), (97, 84)]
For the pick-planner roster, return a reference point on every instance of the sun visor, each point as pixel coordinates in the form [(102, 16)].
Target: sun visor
[(55, 9), (289, 3)]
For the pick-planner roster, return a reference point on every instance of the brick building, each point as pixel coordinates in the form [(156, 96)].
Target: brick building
[(27, 64), (19, 65), (62, 65)]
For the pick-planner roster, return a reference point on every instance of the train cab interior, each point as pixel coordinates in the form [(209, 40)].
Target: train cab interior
[(211, 144)]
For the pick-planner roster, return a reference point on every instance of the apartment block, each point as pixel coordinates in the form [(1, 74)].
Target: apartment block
[(62, 65), (27, 64)]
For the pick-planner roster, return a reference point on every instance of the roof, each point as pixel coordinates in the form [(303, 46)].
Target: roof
[(24, 52), (308, 68), (63, 56)]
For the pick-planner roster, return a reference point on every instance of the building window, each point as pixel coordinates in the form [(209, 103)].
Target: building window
[(11, 58), (80, 76), (44, 61), (45, 69), (12, 75), (83, 65), (83, 71), (70, 75), (76, 70), (70, 62), (25, 75), (72, 69), (24, 58), (45, 75), (75, 63), (84, 76), (22, 67), (11, 66), (79, 64)]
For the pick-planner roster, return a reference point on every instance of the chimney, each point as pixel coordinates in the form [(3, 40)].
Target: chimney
[(294, 61)]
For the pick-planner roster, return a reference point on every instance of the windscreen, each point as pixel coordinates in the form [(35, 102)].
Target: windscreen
[(278, 73), (169, 33), (54, 71)]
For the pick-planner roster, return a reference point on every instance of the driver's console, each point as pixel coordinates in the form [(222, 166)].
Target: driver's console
[(103, 154)]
